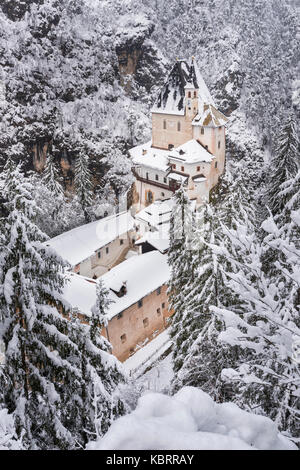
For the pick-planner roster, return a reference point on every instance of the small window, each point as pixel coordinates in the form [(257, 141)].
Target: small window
[(195, 94), (158, 291), (182, 168), (99, 254), (163, 194), (107, 250), (146, 322), (120, 315), (149, 196), (202, 130), (216, 164), (189, 94), (165, 124), (158, 312), (147, 176), (219, 144), (123, 338), (178, 126), (174, 166), (198, 168), (121, 241), (140, 303), (163, 305), (165, 180), (156, 177)]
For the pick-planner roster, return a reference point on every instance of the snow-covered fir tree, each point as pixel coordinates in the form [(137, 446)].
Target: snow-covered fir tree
[(83, 184), (182, 263), (203, 359), (45, 363), (51, 177), (266, 330), (284, 166), (102, 372)]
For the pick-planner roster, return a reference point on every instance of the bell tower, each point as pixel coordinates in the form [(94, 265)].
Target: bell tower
[(191, 100)]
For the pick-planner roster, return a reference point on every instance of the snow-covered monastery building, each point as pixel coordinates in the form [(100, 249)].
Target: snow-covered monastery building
[(188, 140), (92, 249), (139, 304)]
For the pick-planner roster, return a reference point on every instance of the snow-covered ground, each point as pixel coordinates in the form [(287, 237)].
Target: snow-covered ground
[(190, 420), (147, 355)]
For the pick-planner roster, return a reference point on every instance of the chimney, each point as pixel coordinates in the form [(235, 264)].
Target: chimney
[(123, 290)]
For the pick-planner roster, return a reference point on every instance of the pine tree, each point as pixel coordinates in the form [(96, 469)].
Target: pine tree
[(267, 328), (51, 178), (283, 166), (203, 358), (50, 360), (101, 371), (83, 184), (180, 261)]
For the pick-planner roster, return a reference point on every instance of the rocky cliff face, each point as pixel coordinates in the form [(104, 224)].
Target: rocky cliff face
[(70, 71)]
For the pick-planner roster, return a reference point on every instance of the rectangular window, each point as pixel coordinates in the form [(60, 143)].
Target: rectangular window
[(163, 305), (178, 126), (99, 254), (165, 124), (165, 180), (145, 322), (216, 164), (219, 145), (182, 168), (158, 291), (202, 130), (121, 241), (174, 166), (123, 338), (107, 250), (198, 168), (156, 177), (147, 176), (140, 303)]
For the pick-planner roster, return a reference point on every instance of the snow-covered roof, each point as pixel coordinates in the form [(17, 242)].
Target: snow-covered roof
[(80, 243), (199, 178), (157, 213), (142, 274), (209, 116), (160, 240), (172, 96), (177, 177), (152, 158), (191, 152)]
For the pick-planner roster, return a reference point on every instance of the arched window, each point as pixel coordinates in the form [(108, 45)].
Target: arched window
[(178, 126), (149, 197), (165, 124)]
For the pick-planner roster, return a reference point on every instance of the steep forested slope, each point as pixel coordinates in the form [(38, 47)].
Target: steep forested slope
[(62, 86), (81, 73)]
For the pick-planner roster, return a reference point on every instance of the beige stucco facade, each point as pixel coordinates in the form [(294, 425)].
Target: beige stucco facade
[(138, 323), (107, 256)]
